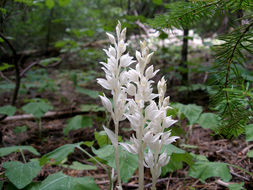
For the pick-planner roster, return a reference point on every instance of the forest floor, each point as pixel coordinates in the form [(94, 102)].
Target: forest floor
[(67, 99)]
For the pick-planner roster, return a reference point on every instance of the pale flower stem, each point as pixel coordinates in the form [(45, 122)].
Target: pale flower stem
[(117, 153), (141, 158), (154, 183), (141, 168)]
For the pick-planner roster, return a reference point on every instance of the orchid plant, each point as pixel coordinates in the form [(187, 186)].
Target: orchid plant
[(134, 100)]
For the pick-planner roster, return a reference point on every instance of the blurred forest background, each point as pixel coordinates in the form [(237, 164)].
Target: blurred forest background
[(49, 61)]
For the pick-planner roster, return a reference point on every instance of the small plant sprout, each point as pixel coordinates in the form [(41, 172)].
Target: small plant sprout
[(115, 79), (133, 98)]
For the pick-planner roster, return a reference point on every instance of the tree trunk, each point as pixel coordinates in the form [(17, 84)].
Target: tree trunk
[(184, 53)]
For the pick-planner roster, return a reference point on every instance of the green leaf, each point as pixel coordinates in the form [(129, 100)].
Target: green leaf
[(59, 181), (157, 2), (178, 156), (250, 154), (77, 122), (208, 121), (50, 3), (21, 174), (38, 109), (4, 66), (91, 108), (79, 166), (128, 162), (63, 3), (61, 153), (91, 93), (249, 132), (8, 110), (46, 62), (7, 150), (20, 129), (190, 111), (102, 138), (236, 186), (203, 170)]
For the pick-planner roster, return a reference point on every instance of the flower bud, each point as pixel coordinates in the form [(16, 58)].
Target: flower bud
[(111, 38)]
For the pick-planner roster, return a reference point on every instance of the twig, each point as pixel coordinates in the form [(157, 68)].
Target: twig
[(28, 68), (246, 149), (5, 78)]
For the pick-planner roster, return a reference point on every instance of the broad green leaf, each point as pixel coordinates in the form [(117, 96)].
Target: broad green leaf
[(91, 108), (20, 129), (102, 138), (61, 153), (249, 132), (88, 143), (128, 162), (236, 186), (8, 110), (38, 109), (21, 174), (190, 111), (63, 3), (7, 150), (50, 3), (60, 181), (208, 121), (203, 170), (5, 66), (77, 122), (250, 154), (79, 166), (91, 93), (177, 157)]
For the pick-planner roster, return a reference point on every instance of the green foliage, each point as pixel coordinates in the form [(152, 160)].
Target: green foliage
[(79, 166), (59, 154), (209, 121), (8, 110), (101, 138), (236, 186), (205, 169), (91, 108), (250, 154), (38, 109), (8, 150), (177, 157), (61, 181), (21, 174), (20, 129), (190, 111), (128, 162), (91, 93), (5, 66), (249, 132), (77, 122)]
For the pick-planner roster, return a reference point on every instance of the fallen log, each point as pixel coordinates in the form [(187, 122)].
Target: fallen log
[(48, 115)]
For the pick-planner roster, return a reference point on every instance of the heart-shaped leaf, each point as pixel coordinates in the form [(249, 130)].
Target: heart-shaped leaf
[(128, 162), (21, 174), (59, 181), (77, 122), (203, 170), (7, 150)]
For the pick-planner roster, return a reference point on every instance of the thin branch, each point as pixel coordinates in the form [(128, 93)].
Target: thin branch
[(5, 78)]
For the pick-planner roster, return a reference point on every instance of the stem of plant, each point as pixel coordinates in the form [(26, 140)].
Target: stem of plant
[(141, 158), (100, 164), (117, 154), (23, 156)]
